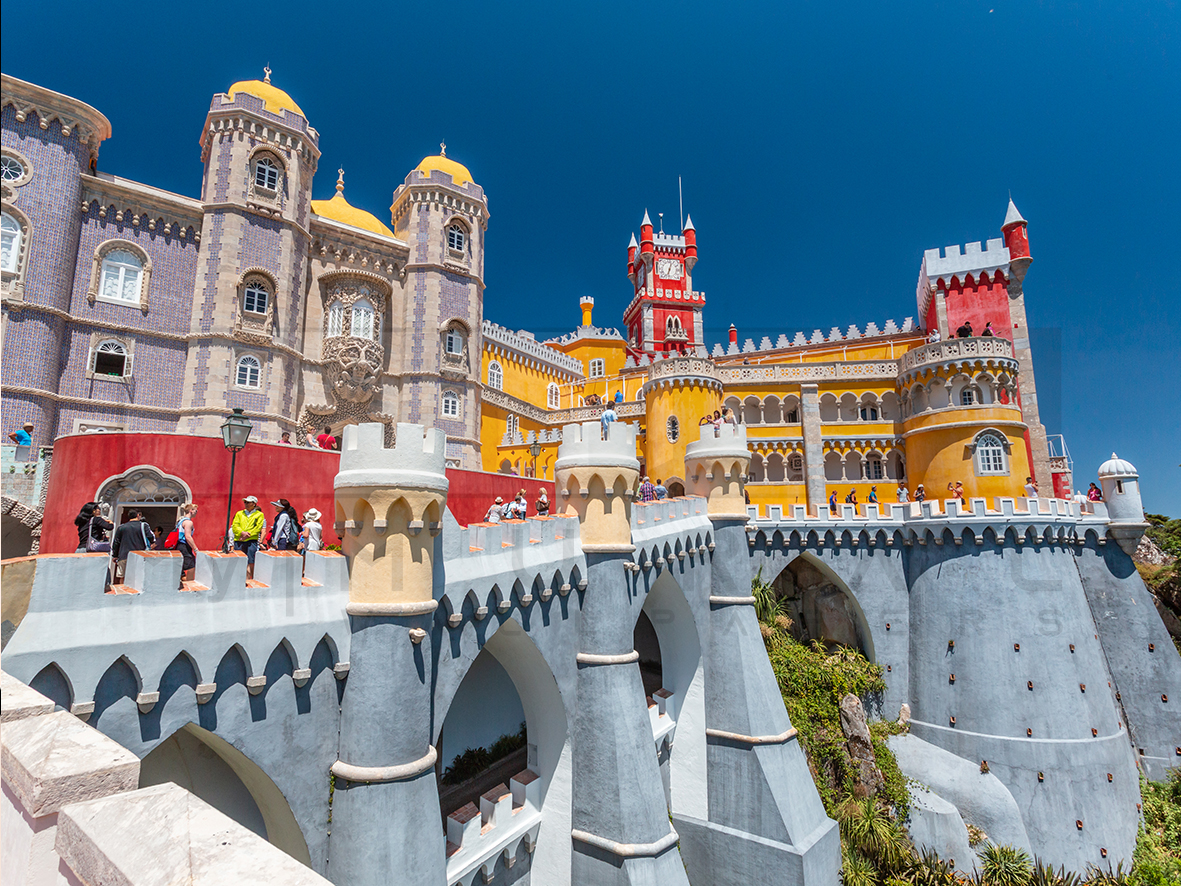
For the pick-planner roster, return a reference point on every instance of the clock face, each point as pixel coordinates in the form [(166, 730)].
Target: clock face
[(669, 269)]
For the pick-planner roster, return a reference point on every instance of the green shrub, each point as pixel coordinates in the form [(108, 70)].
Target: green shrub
[(1005, 866), (473, 761)]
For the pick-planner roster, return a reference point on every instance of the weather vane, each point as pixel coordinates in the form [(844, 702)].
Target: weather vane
[(442, 149), (266, 74)]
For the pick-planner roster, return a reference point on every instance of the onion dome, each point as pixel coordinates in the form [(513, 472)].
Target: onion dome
[(1117, 467), (339, 209), (458, 172), (274, 99)]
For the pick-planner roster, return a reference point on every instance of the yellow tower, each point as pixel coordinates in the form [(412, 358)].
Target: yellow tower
[(678, 393), (961, 419)]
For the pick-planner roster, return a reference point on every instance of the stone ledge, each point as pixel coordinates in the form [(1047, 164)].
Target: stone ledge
[(18, 701)]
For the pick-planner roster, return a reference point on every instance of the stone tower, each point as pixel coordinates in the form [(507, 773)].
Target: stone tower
[(443, 214), (260, 155), (1121, 492)]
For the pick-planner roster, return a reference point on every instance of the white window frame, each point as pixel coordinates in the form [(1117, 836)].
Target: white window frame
[(21, 161), (875, 468), (12, 233), (104, 263), (110, 346), (553, 396), (456, 237), (334, 323), (453, 341), (597, 368), (512, 426), (362, 320), (251, 294), (869, 412), (246, 360), (968, 396), (267, 174), (118, 270), (991, 460), (449, 405), (496, 376)]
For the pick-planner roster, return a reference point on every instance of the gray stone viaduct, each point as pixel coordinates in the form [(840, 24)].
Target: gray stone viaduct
[(324, 696)]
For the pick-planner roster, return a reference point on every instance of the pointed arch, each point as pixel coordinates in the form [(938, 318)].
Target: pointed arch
[(52, 682)]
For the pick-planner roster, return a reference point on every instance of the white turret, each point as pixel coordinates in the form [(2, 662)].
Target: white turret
[(1121, 492)]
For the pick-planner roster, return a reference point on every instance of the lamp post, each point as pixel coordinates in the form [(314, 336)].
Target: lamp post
[(535, 450), (234, 433)]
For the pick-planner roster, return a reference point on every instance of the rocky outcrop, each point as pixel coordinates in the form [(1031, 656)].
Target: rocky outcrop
[(859, 746)]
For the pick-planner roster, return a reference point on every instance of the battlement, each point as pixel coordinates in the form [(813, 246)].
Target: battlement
[(596, 333), (417, 460), (583, 446), (816, 339), (726, 441), (529, 348), (940, 267)]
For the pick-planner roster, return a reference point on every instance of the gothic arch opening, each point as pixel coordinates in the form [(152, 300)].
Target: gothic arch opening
[(225, 778), (821, 607)]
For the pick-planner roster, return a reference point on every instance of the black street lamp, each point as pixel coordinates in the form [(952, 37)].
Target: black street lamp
[(535, 450), (234, 433)]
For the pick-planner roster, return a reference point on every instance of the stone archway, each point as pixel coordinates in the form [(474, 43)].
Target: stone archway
[(148, 489), (822, 607)]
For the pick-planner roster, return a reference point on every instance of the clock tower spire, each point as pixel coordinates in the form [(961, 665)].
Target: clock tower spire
[(664, 316)]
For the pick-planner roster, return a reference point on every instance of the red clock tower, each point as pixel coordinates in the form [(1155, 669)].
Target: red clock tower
[(665, 314)]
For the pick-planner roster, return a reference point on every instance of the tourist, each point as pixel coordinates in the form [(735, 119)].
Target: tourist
[(285, 528), (285, 438), (934, 336), (23, 436), (520, 506), (728, 416), (619, 396), (246, 531), (186, 542), (705, 420), (542, 504), (964, 331), (950, 489), (661, 492), (311, 537), (326, 440), (606, 418), (493, 515), (851, 499), (920, 494), (903, 493), (158, 543), (832, 502), (92, 530), (1030, 488), (988, 329), (133, 535), (1094, 494), (958, 492), (647, 490), (873, 496)]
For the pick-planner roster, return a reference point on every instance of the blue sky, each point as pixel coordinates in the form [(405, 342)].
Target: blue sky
[(823, 147)]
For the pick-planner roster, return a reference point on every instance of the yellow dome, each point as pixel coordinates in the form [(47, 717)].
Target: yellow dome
[(339, 209), (274, 99), (443, 163)]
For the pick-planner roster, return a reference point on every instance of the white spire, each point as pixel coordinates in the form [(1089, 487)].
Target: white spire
[(689, 224), (1013, 217), (633, 242), (646, 221)]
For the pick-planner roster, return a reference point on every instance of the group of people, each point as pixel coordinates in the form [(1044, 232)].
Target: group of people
[(963, 331), (249, 533), (650, 491), (723, 416), (517, 508)]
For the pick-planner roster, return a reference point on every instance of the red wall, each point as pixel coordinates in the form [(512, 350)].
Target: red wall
[(82, 463), (979, 303)]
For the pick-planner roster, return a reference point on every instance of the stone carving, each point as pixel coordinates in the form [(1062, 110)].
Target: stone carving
[(143, 485), (354, 368)]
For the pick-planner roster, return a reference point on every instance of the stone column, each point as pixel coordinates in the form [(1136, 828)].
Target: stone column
[(813, 447), (766, 822), (621, 830), (385, 809)]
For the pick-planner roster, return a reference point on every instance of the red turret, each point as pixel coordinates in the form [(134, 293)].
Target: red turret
[(690, 235), (631, 259), (1016, 234), (646, 247), (733, 334)]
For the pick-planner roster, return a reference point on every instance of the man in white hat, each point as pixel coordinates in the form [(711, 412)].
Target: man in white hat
[(312, 534), (247, 530)]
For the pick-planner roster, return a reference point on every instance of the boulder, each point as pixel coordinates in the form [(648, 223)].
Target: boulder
[(859, 746)]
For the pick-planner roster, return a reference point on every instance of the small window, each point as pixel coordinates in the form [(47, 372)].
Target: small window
[(362, 321), (512, 425), (10, 239), (869, 413), (450, 405), (249, 370), (673, 429), (11, 169), (990, 455), (456, 237), (967, 397), (598, 368), (335, 320), (111, 359), (121, 275), (255, 299), (495, 375), (454, 343), (873, 469), (553, 396), (266, 174), (793, 417)]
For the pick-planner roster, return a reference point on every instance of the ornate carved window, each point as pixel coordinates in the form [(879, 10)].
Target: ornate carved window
[(121, 274), (495, 375), (453, 344), (456, 237), (256, 297), (110, 359), (553, 396), (335, 323), (248, 372), (11, 169), (15, 170), (266, 174), (255, 321), (454, 340), (450, 407), (13, 247), (361, 324)]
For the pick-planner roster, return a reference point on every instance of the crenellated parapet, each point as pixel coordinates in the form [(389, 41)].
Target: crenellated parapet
[(595, 477), (389, 509), (715, 467)]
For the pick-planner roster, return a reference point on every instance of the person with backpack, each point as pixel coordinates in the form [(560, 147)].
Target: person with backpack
[(134, 535), (285, 529), (186, 542)]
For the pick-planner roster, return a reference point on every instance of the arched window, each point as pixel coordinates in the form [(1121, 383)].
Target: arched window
[(454, 341), (254, 298), (553, 396), (967, 397), (495, 375), (110, 358), (869, 413), (512, 425), (122, 271), (450, 404), (335, 320), (248, 372), (990, 455), (362, 321), (266, 174), (873, 468), (456, 237), (598, 368), (10, 243)]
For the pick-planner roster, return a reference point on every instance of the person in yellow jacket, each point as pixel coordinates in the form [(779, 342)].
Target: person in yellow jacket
[(247, 530)]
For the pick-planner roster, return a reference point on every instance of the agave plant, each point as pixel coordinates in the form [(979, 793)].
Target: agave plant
[(1045, 875), (856, 869), (1099, 877), (928, 869), (1006, 866), (871, 831)]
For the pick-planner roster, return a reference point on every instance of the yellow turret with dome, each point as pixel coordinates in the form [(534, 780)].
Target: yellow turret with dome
[(274, 99), (458, 172), (339, 209)]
